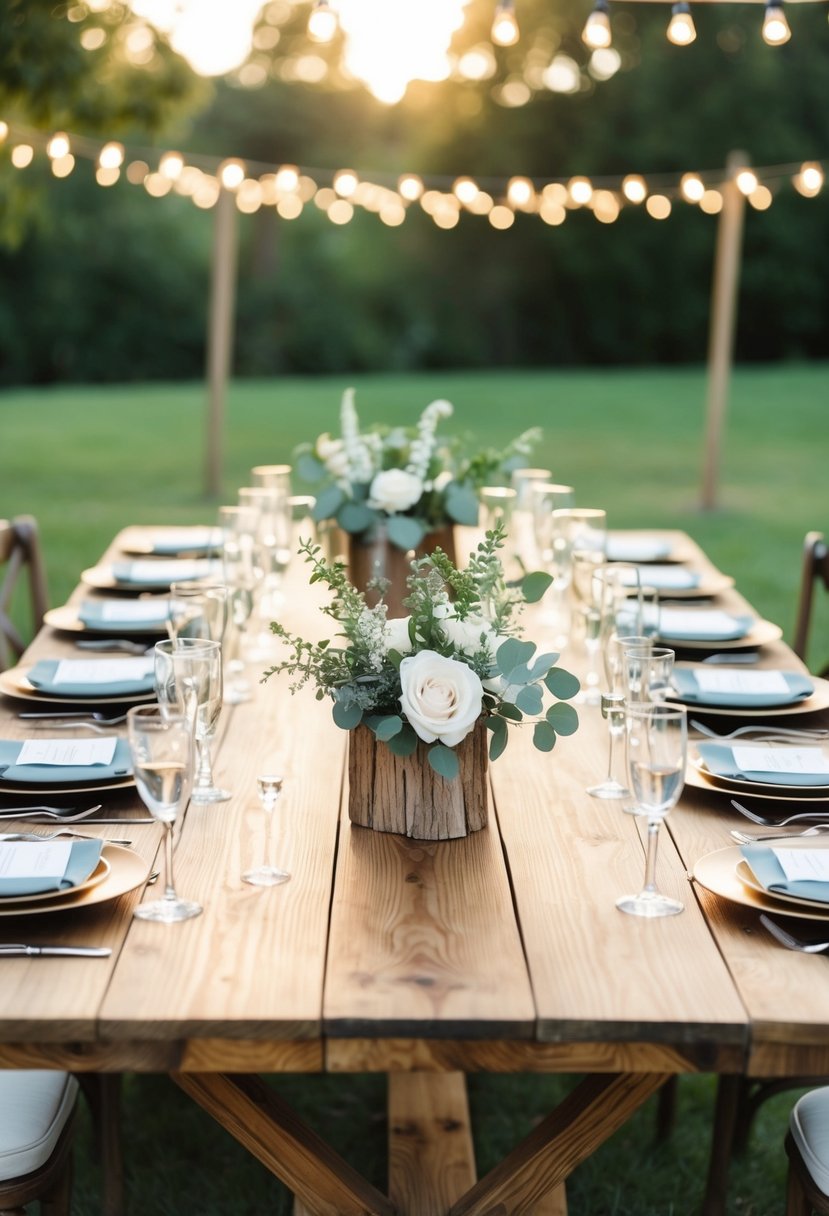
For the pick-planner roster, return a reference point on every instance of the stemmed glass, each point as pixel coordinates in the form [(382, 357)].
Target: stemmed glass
[(657, 744), (578, 529), (198, 610), (546, 497), (161, 745), (585, 564), (269, 789), (646, 672), (272, 550), (188, 681), (617, 613), (240, 572)]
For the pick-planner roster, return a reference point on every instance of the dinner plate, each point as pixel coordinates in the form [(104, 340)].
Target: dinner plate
[(13, 683), (749, 787), (170, 541), (760, 633), (66, 619), (126, 872), (46, 776), (798, 701), (104, 578), (679, 583), (37, 792), (100, 872), (818, 701), (717, 872), (746, 876), (701, 780)]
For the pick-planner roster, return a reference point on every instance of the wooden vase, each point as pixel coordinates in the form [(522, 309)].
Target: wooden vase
[(404, 794), (372, 555)]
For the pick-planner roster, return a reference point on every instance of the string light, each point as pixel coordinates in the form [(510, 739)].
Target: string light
[(111, 156), (232, 174), (504, 25), (596, 33), (746, 181), (691, 187), (775, 26), (809, 181), (634, 188), (322, 22), (681, 29), (580, 190), (58, 146)]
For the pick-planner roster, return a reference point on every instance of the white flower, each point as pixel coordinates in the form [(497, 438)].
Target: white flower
[(440, 697), (396, 635), (471, 635), (394, 490), (326, 446)]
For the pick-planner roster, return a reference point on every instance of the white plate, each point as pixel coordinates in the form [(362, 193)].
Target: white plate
[(717, 872), (746, 877), (126, 871), (98, 875), (66, 619), (750, 787), (724, 785), (819, 700), (760, 634), (13, 683)]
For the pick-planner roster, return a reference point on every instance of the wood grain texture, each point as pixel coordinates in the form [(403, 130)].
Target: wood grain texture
[(404, 794), (268, 1128), (431, 1157)]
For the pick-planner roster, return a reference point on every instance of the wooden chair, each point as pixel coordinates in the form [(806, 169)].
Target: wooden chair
[(815, 569), (20, 558), (807, 1147), (36, 1116)]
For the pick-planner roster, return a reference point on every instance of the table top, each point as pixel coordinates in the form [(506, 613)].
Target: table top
[(501, 951)]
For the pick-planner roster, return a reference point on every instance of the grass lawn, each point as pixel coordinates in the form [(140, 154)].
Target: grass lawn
[(87, 461)]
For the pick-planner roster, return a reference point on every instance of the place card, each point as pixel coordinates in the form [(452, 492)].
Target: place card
[(803, 865), (102, 671), (743, 682), (804, 760), (34, 859), (134, 610), (67, 753)]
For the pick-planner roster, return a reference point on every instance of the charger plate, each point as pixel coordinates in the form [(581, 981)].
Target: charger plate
[(717, 872), (170, 540), (126, 872), (746, 877), (13, 683), (99, 874), (749, 787), (760, 634), (66, 619), (725, 785)]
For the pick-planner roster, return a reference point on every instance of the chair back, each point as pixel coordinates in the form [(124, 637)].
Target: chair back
[(815, 570), (21, 560)]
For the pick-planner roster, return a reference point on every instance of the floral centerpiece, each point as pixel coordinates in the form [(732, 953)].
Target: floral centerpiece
[(404, 479), (425, 689)]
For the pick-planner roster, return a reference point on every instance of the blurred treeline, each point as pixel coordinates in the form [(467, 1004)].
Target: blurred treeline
[(110, 284)]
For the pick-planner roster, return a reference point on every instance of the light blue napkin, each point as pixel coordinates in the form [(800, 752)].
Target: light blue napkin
[(42, 677), (637, 549), (91, 614), (204, 541), (719, 760), (769, 873), (83, 858), (54, 774), (125, 574), (742, 625), (684, 680)]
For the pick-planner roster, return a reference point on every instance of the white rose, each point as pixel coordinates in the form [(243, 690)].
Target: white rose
[(440, 697), (394, 490), (396, 634), (471, 635), (326, 446)]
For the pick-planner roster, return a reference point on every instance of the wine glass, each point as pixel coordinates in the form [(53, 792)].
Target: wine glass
[(188, 680), (272, 477), (240, 572), (585, 564), (497, 503), (523, 481), (272, 553), (611, 583), (646, 672), (198, 610), (161, 745), (657, 744), (269, 789), (546, 497)]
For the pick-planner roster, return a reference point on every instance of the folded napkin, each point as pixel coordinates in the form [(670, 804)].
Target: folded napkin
[(31, 867), (125, 616), (120, 765), (160, 573), (664, 578), (93, 677), (185, 540), (769, 872), (721, 761), (637, 549), (702, 625), (731, 688)]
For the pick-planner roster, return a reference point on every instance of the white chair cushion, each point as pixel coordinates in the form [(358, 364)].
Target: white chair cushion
[(809, 1123), (34, 1107)]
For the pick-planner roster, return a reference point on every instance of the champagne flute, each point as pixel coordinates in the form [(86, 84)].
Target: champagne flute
[(585, 564), (198, 610), (161, 745), (610, 586), (188, 680), (647, 672), (546, 497), (269, 789), (238, 525), (272, 477), (657, 744), (272, 553)]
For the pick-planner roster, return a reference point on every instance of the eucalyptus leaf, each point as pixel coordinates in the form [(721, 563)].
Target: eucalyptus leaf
[(542, 665), (544, 737), (499, 737), (355, 517), (530, 699), (444, 761), (328, 503), (534, 585), (512, 653), (308, 468), (507, 710), (562, 684), (404, 743), (395, 658), (388, 727), (405, 532), (462, 503), (563, 719), (347, 714)]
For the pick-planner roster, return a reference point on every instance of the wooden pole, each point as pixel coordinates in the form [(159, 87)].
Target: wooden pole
[(220, 334), (723, 323)]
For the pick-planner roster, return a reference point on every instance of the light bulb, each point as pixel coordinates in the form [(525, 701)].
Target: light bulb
[(596, 33), (809, 180), (681, 30), (746, 181), (775, 26), (504, 25), (231, 174), (692, 187), (58, 146), (322, 22), (580, 190), (634, 188)]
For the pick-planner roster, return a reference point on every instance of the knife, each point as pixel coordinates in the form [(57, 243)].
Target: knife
[(60, 951)]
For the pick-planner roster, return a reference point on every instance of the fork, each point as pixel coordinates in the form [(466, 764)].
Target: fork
[(766, 822), (817, 829), (792, 943), (9, 837), (96, 715), (762, 732), (116, 644), (51, 812), (76, 725)]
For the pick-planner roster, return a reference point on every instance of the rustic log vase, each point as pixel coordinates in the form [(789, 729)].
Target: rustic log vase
[(374, 556), (404, 794)]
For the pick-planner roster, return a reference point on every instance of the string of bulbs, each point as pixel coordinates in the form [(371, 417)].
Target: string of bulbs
[(323, 23)]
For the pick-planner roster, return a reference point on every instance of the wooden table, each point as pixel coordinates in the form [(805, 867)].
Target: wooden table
[(502, 952)]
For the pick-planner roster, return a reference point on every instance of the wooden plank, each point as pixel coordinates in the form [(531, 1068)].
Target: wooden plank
[(423, 939), (276, 1136), (584, 1120), (197, 1055), (431, 1156)]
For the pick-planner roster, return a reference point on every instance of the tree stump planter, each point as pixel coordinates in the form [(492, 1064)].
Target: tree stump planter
[(376, 557), (404, 794)]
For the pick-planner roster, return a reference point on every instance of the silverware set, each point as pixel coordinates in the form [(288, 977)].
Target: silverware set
[(789, 940)]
